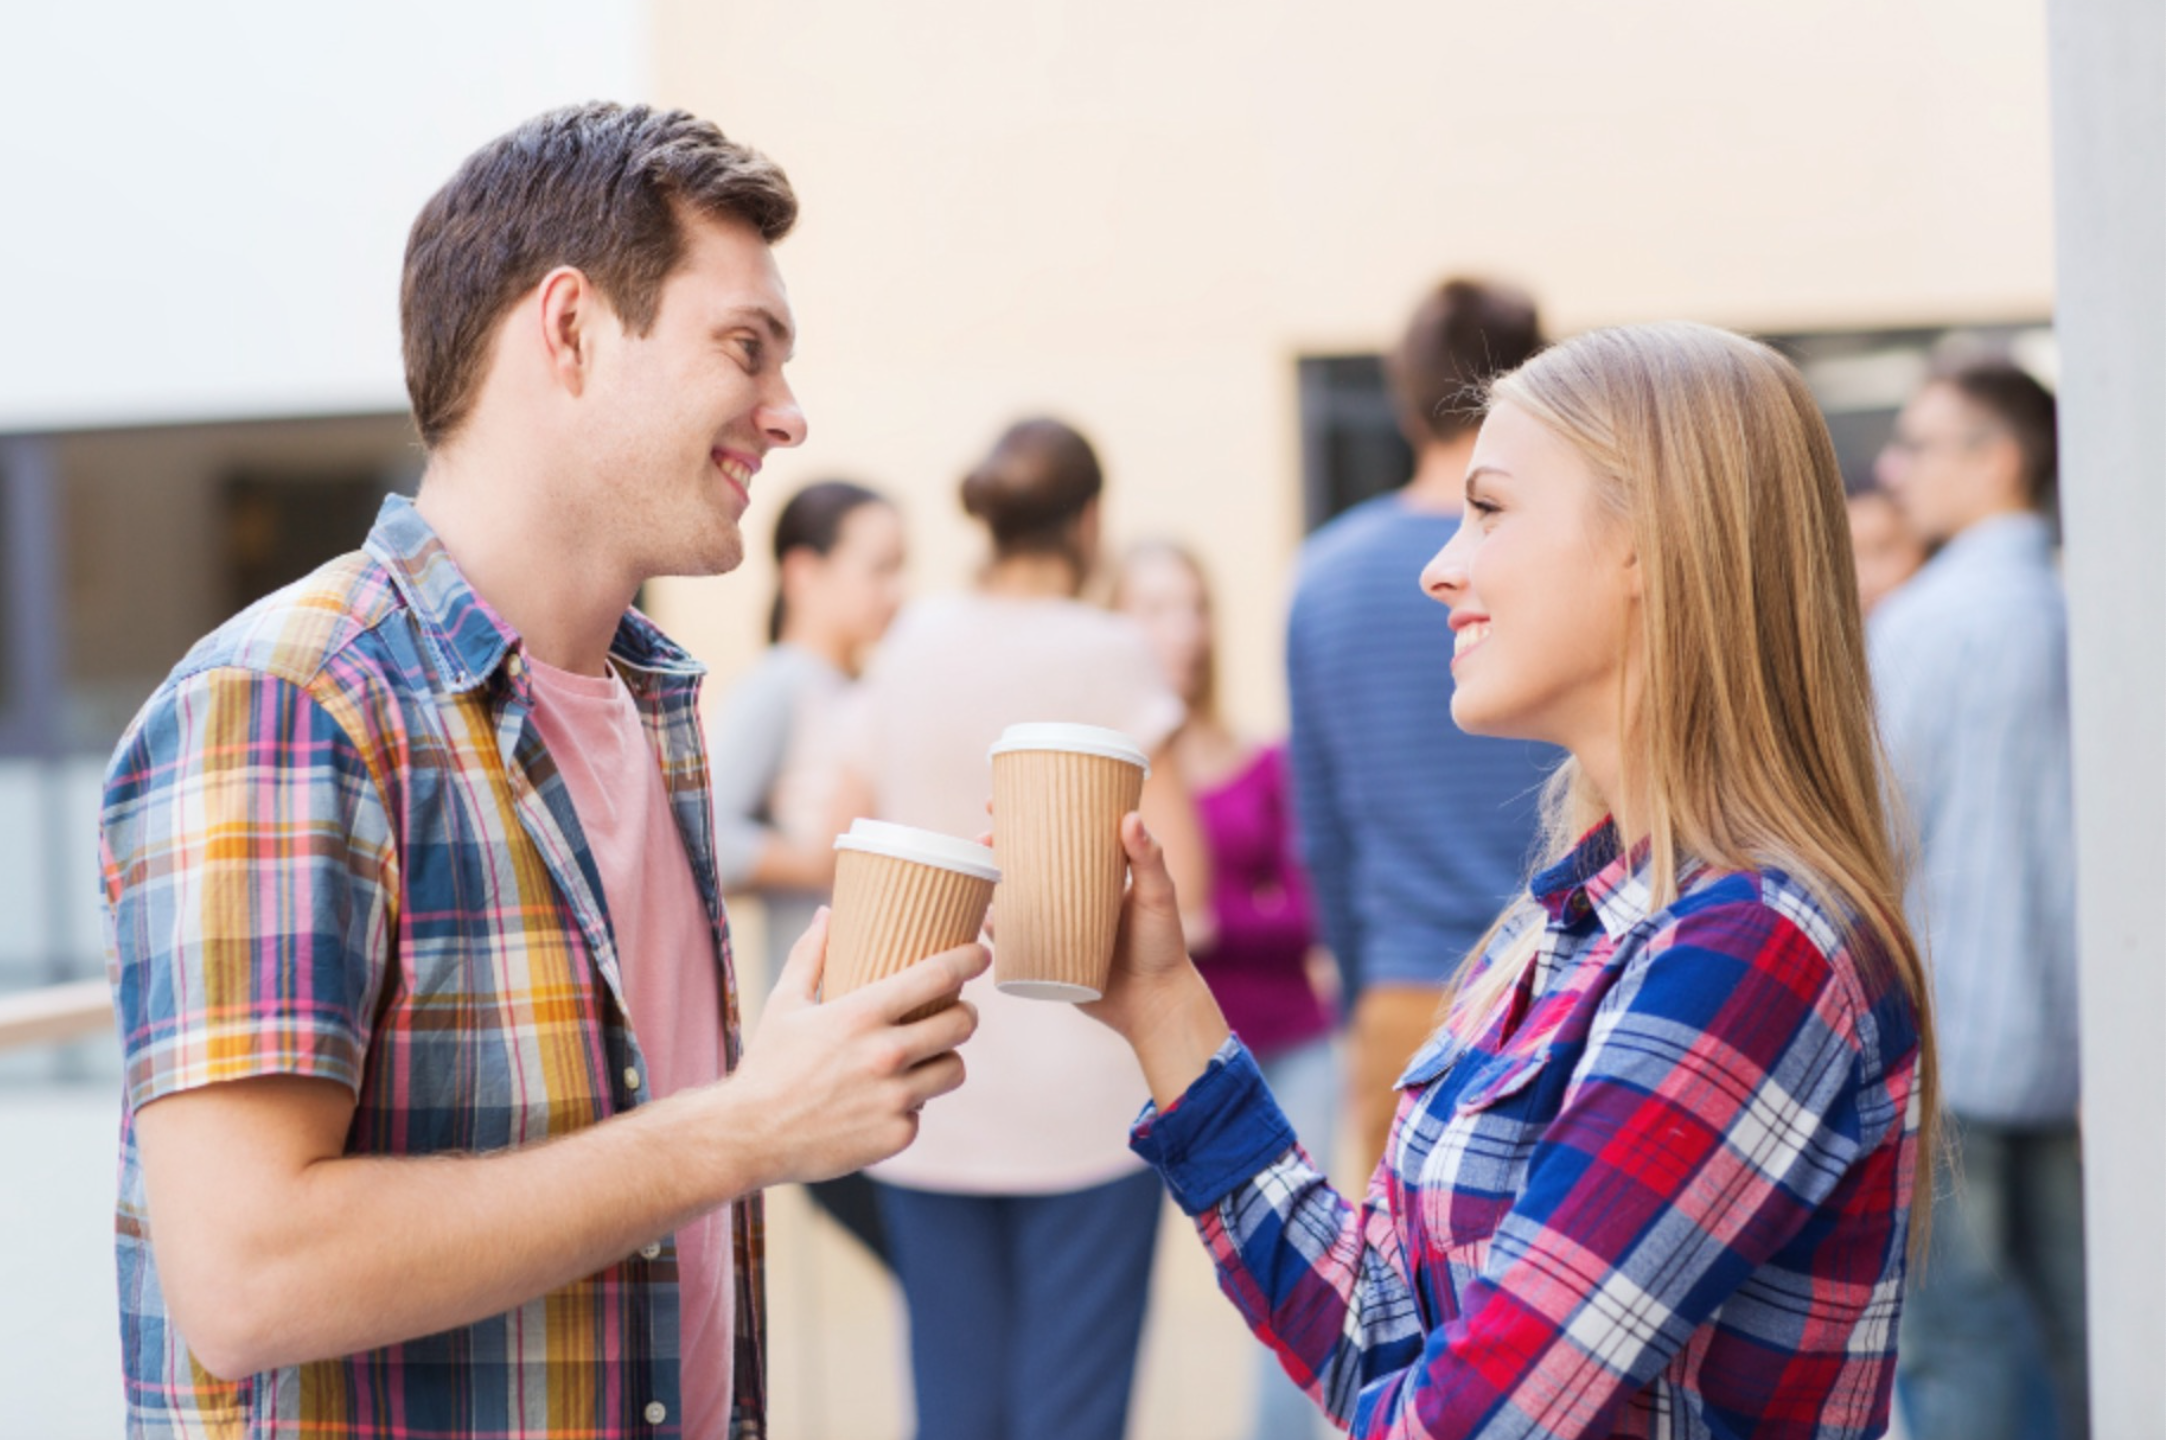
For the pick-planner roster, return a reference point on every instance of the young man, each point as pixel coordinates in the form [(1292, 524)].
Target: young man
[(1416, 833), (422, 974), (1970, 663)]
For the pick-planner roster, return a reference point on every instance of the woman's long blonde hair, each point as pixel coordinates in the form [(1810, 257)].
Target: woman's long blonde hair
[(1751, 731)]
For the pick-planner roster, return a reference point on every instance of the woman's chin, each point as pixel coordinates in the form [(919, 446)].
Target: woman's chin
[(1468, 715)]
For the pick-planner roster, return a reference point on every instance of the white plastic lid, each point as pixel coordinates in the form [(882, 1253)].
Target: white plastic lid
[(1078, 739), (926, 847), (1048, 990)]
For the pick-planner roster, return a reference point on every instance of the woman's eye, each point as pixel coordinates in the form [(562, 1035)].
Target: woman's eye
[(1483, 508)]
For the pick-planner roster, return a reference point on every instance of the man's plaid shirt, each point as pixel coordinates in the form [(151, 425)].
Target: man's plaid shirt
[(334, 846), (1665, 1192)]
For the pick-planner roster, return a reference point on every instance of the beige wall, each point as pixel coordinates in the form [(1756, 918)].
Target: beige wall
[(1138, 215)]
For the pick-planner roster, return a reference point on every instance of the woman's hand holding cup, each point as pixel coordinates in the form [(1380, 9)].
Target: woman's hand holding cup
[(1155, 998)]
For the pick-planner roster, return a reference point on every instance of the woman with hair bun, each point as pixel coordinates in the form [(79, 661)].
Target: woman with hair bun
[(1653, 1173), (1021, 1227)]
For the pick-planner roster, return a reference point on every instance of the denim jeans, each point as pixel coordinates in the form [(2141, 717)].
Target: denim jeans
[(1026, 1311), (1992, 1341), (1305, 1081)]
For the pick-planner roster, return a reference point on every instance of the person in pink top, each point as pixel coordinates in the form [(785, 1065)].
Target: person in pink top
[(1260, 966)]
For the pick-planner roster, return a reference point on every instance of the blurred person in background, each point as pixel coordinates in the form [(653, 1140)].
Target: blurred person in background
[(423, 981), (1376, 759), (838, 583), (1653, 1173), (1258, 962), (1020, 1226), (1970, 660), (1888, 552)]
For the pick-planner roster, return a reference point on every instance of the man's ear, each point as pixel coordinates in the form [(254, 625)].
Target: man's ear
[(569, 309), (2003, 457)]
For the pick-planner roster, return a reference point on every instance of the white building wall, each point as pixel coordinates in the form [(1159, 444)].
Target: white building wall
[(206, 204), (2109, 121)]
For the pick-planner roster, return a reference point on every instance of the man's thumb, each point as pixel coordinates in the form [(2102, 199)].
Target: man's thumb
[(799, 982)]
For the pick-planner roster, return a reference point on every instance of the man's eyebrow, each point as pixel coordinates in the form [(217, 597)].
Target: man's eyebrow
[(778, 329)]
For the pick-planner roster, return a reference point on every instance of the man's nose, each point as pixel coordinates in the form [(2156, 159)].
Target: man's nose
[(782, 421), (1888, 467)]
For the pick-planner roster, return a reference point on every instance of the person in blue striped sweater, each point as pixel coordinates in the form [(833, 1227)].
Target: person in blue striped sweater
[(1414, 831), (1970, 667)]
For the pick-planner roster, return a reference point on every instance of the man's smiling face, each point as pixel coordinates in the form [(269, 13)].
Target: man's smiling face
[(686, 413)]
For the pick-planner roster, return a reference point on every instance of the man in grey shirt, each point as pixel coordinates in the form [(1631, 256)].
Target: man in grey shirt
[(1970, 661)]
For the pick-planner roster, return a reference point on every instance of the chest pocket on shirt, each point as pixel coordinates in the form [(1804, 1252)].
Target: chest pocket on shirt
[(1475, 1165), (1511, 1079)]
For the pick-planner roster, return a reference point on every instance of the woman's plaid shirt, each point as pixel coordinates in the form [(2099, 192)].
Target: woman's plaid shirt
[(1666, 1192), (334, 846)]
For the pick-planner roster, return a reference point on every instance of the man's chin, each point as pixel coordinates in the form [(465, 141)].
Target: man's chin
[(697, 560)]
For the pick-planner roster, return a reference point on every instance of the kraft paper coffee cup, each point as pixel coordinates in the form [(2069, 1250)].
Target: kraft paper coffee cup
[(902, 894), (1059, 792)]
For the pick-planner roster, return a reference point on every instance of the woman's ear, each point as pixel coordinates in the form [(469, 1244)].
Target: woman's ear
[(1087, 533), (800, 566)]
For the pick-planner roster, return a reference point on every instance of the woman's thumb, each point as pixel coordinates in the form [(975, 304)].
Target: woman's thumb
[(1146, 861)]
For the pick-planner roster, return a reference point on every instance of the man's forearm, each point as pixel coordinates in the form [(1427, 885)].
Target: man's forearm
[(363, 1251)]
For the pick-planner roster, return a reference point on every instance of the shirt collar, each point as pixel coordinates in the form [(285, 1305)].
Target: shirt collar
[(1596, 878), (2021, 535), (468, 640)]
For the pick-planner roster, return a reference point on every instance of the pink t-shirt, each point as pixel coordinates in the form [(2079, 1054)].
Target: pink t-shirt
[(666, 958)]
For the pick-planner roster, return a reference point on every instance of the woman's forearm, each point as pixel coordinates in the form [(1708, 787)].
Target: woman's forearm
[(1176, 1035)]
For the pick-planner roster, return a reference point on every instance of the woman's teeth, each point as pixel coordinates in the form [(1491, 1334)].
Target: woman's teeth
[(1470, 637)]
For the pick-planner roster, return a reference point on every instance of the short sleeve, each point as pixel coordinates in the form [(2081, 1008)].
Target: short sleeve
[(250, 881), (745, 747)]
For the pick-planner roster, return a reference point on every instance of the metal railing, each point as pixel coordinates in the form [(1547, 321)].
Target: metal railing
[(56, 1014)]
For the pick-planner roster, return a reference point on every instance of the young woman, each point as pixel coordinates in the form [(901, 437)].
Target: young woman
[(1021, 1227), (1257, 965), (839, 564), (1653, 1173)]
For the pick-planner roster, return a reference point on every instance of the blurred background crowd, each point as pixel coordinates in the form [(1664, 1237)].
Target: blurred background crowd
[(1136, 347)]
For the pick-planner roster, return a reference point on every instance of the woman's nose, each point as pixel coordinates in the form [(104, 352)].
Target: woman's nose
[(1444, 578)]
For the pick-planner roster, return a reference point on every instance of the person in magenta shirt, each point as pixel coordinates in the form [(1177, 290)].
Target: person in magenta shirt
[(1259, 958)]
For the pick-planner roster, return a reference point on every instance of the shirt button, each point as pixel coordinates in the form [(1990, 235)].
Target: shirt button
[(631, 1077), (651, 1252), (657, 1412)]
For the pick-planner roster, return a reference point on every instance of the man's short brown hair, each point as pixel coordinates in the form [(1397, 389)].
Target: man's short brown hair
[(1465, 333), (594, 186), (2011, 398)]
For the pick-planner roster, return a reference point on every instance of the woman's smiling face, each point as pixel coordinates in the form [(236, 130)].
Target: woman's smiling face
[(1542, 585)]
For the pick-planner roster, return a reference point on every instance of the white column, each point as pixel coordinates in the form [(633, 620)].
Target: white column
[(2109, 151)]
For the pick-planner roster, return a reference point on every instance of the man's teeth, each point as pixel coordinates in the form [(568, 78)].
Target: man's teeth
[(1470, 637)]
